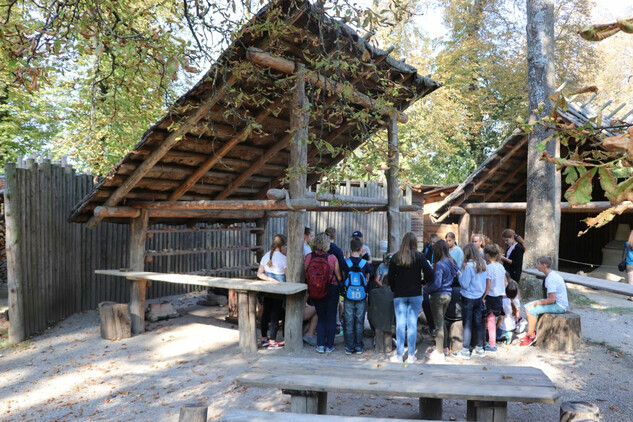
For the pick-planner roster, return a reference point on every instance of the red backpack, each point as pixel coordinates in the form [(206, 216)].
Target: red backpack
[(319, 275)]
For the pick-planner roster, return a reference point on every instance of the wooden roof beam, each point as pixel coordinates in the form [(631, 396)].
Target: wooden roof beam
[(501, 185), (215, 158), (283, 65), (514, 190), (163, 148), (507, 156)]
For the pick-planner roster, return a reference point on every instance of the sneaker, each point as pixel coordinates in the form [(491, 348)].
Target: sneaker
[(264, 342), (479, 352), (329, 349), (311, 340), (490, 349), (348, 351), (528, 340), (275, 345), (464, 354), (412, 359), (358, 350), (320, 349), (396, 358), (435, 357)]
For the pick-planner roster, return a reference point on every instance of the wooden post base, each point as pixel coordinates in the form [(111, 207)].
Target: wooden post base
[(430, 409), (193, 413), (576, 411), (559, 332), (383, 342), (115, 320), (491, 411), (247, 308), (311, 402)]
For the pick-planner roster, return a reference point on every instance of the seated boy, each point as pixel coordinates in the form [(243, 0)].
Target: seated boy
[(555, 303)]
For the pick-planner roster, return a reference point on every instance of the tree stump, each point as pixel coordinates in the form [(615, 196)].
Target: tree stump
[(193, 413), (577, 411), (455, 333), (115, 320), (559, 332), (383, 341)]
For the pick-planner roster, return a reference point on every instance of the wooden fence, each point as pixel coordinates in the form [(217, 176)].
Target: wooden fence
[(373, 225), (51, 262)]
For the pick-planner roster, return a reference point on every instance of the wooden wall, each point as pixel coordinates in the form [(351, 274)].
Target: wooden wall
[(59, 258), (373, 225)]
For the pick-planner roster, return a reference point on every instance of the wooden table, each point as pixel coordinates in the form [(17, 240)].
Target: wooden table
[(486, 389), (247, 297), (592, 282)]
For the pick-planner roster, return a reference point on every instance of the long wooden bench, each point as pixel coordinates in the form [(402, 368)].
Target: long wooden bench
[(592, 282), (259, 416), (247, 298), (487, 390)]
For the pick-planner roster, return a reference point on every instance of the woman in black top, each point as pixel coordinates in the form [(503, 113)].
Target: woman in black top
[(405, 279), (513, 257)]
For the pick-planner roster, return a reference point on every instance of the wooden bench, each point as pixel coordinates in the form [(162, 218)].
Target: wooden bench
[(247, 299), (592, 282), (259, 416), (487, 390)]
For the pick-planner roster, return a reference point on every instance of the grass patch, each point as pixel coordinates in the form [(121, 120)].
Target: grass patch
[(582, 300), (612, 349), (617, 310)]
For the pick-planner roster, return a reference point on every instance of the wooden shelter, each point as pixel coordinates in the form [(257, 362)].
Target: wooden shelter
[(493, 197), (292, 81)]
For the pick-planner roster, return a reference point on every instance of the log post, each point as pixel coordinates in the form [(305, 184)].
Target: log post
[(12, 214), (193, 413), (463, 229), (299, 120), (115, 321), (138, 235), (576, 411), (393, 190)]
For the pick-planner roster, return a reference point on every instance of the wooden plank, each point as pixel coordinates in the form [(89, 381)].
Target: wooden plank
[(138, 236), (592, 282), (225, 283), (259, 416)]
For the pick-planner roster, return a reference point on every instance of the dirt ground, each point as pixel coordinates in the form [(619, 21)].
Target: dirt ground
[(70, 373)]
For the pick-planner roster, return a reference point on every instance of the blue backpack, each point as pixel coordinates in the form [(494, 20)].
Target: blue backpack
[(355, 282)]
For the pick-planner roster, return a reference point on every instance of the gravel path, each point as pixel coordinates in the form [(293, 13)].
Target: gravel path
[(70, 373)]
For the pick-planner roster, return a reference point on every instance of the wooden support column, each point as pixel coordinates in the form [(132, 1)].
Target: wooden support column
[(393, 190), (14, 258), (299, 120), (463, 231), (138, 235)]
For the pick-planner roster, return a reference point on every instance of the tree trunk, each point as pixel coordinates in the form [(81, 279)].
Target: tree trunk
[(393, 190), (542, 221), (299, 120), (14, 239)]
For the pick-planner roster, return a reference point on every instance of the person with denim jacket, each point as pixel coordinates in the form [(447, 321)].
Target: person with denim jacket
[(440, 291), (473, 282)]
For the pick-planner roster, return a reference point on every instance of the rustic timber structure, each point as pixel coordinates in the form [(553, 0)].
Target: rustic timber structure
[(493, 197), (260, 120)]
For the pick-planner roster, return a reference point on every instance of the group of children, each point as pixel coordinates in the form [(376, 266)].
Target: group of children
[(479, 280)]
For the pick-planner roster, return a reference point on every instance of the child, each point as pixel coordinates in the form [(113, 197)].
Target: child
[(473, 281), (511, 306), (382, 271), (555, 303), (355, 302), (493, 295)]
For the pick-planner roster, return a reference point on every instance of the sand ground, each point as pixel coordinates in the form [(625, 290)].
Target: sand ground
[(70, 373)]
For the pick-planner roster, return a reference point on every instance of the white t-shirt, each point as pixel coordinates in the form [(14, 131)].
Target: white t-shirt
[(306, 249), (508, 323), (279, 263), (497, 276), (554, 283)]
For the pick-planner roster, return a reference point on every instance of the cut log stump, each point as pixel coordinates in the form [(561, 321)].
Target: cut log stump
[(577, 411), (115, 320), (559, 332), (193, 413), (383, 342)]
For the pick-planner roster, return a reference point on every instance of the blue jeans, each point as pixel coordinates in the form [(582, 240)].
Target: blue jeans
[(354, 316), (326, 309), (407, 311), (472, 310)]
